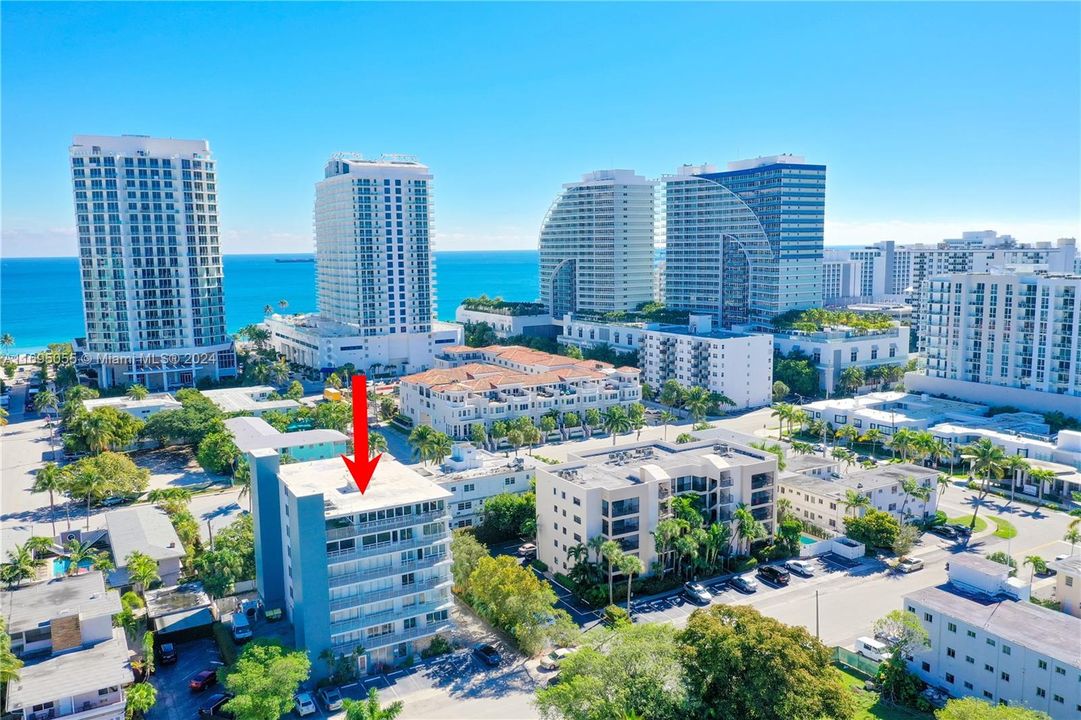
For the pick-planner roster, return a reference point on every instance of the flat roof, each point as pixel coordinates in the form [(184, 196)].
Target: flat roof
[(150, 401), (1070, 565), (167, 601), (1027, 624), (393, 484), (860, 480), (242, 399), (252, 433), (142, 528), (710, 334), (72, 673), (33, 605)]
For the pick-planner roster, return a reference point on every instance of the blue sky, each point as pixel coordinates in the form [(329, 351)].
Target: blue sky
[(932, 118)]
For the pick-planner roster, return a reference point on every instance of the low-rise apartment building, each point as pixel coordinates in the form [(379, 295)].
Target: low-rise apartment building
[(987, 641), (819, 497), (75, 662), (473, 476), (509, 319), (141, 409), (252, 400), (890, 411), (144, 529), (252, 433), (1068, 584), (621, 493), (472, 386), (359, 574), (832, 350)]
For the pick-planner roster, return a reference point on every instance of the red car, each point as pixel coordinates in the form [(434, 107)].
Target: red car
[(203, 679)]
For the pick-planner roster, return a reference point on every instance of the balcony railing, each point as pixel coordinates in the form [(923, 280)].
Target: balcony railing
[(384, 570), (365, 598), (384, 547), (385, 524), (369, 619), (392, 638)]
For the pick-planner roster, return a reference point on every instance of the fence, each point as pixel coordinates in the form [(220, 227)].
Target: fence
[(855, 661)]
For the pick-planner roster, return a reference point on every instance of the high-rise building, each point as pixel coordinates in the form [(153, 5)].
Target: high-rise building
[(1003, 338), (146, 214), (841, 279), (745, 245), (375, 271), (596, 244)]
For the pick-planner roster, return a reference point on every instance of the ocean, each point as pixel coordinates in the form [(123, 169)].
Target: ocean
[(41, 301)]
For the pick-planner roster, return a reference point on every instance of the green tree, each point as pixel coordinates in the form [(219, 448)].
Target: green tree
[(872, 436), (672, 394), (970, 708), (1003, 558), (780, 391), (477, 434), (907, 536), (797, 372), (79, 553), (422, 440), (371, 709), (684, 438), (854, 501), (141, 698), (698, 402), (21, 565), (852, 379), (630, 565), (332, 416), (103, 429), (51, 479), (748, 528), (295, 391), (905, 638), (9, 664), (377, 443), (196, 417), (508, 515), (612, 552), (513, 599), (903, 441), (738, 663), (217, 453), (593, 418), (333, 381), (137, 392), (466, 552), (616, 421), (126, 618), (985, 461), (264, 681), (142, 570), (95, 478), (875, 529), (46, 401)]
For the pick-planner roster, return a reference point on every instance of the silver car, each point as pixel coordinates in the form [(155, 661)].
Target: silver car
[(331, 697)]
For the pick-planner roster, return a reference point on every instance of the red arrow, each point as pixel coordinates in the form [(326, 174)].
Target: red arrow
[(360, 466)]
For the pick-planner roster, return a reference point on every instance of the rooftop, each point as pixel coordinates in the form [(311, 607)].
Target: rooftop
[(252, 433), (897, 405), (150, 401), (393, 484), (142, 528), (1026, 624), (247, 399), (181, 598), (1069, 566), (72, 673), (34, 605)]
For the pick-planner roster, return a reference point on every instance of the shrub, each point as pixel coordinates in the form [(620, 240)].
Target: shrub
[(744, 564), (224, 638), (540, 565), (616, 616), (439, 646), (564, 580)]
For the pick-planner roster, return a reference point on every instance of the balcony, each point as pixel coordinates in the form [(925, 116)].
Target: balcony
[(394, 591), (373, 643), (384, 547), (384, 570), (761, 498), (385, 524), (367, 620), (758, 482)]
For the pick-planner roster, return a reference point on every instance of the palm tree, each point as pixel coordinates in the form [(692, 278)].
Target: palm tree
[(944, 482), (1072, 535), (616, 421), (747, 526), (593, 419), (1016, 466), (854, 501), (283, 303), (85, 482), (9, 664), (985, 460), (903, 441), (516, 439), (1038, 564), (77, 553), (636, 413), (802, 448), (141, 698), (142, 571), (99, 432), (21, 565), (718, 540), (783, 412), (377, 443), (268, 309), (278, 372), (51, 479), (3, 417), (137, 392), (594, 544), (873, 436), (698, 403), (38, 546), (630, 565), (913, 489), (421, 439), (46, 400), (441, 448), (6, 340), (938, 449), (799, 419), (578, 553), (848, 433), (371, 709), (611, 551), (667, 418)]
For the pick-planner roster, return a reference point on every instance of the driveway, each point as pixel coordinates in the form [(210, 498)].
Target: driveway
[(175, 699)]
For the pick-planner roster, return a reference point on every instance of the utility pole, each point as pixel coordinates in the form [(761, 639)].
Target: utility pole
[(817, 635)]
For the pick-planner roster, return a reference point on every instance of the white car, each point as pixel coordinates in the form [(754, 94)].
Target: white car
[(907, 564), (331, 697), (801, 567), (305, 705), (551, 660)]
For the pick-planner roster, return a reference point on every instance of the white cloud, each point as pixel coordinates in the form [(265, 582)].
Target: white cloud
[(855, 232), (38, 242)]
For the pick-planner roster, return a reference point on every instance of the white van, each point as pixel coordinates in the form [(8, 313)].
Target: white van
[(241, 627), (872, 649)]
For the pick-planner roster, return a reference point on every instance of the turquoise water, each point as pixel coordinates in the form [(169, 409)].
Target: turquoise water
[(61, 565), (41, 302), (807, 539)]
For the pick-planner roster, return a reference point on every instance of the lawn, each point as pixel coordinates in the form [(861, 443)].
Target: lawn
[(981, 524), (1003, 528), (871, 707)]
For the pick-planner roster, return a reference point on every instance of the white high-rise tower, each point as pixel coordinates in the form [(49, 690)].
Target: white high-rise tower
[(146, 212)]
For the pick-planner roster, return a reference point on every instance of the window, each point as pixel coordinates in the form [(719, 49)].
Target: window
[(952, 627), (949, 678), (1042, 664), (970, 660), (1005, 677), (987, 694), (928, 617), (1060, 670), (1058, 698), (968, 685), (1041, 692), (988, 668), (926, 666), (1069, 581), (950, 652), (1005, 649), (970, 633), (990, 642)]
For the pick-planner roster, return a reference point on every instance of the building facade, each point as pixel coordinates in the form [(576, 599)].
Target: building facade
[(832, 350), (745, 245), (621, 493), (596, 244), (146, 217), (375, 271), (513, 321), (473, 476), (842, 279), (365, 575), (253, 433), (472, 386)]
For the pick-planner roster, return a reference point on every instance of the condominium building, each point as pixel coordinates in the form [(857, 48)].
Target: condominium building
[(818, 493), (76, 664), (473, 476), (510, 319), (887, 412), (140, 409), (253, 433), (596, 244), (834, 349), (745, 244), (987, 640), (364, 575), (146, 217), (375, 271), (842, 279), (1003, 338), (621, 493), (482, 385), (1068, 584)]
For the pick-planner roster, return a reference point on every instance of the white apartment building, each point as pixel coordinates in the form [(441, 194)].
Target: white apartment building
[(473, 476), (1003, 339), (818, 491), (586, 332), (834, 349), (76, 663), (249, 400), (141, 409), (146, 216), (254, 433), (148, 530), (358, 574), (1068, 584), (842, 279), (483, 385), (596, 244), (511, 321), (989, 642), (890, 411), (621, 493), (374, 268)]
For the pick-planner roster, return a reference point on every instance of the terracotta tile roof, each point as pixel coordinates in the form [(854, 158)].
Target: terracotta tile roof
[(479, 377)]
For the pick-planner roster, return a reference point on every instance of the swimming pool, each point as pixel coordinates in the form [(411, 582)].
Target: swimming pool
[(62, 564), (805, 539)]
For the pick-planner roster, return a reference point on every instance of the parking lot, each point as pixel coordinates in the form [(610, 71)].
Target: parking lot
[(175, 699)]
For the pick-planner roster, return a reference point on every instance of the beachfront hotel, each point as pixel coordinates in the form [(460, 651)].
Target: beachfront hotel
[(363, 575), (596, 244), (146, 216), (375, 272), (745, 245), (471, 386)]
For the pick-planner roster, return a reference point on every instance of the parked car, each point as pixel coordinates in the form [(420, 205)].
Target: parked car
[(241, 628), (167, 654), (946, 531), (696, 592), (305, 705), (745, 584), (527, 550), (774, 575), (872, 649), (801, 567), (961, 529), (113, 501), (907, 565), (215, 706), (487, 654), (331, 697), (864, 458), (203, 679), (551, 660)]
